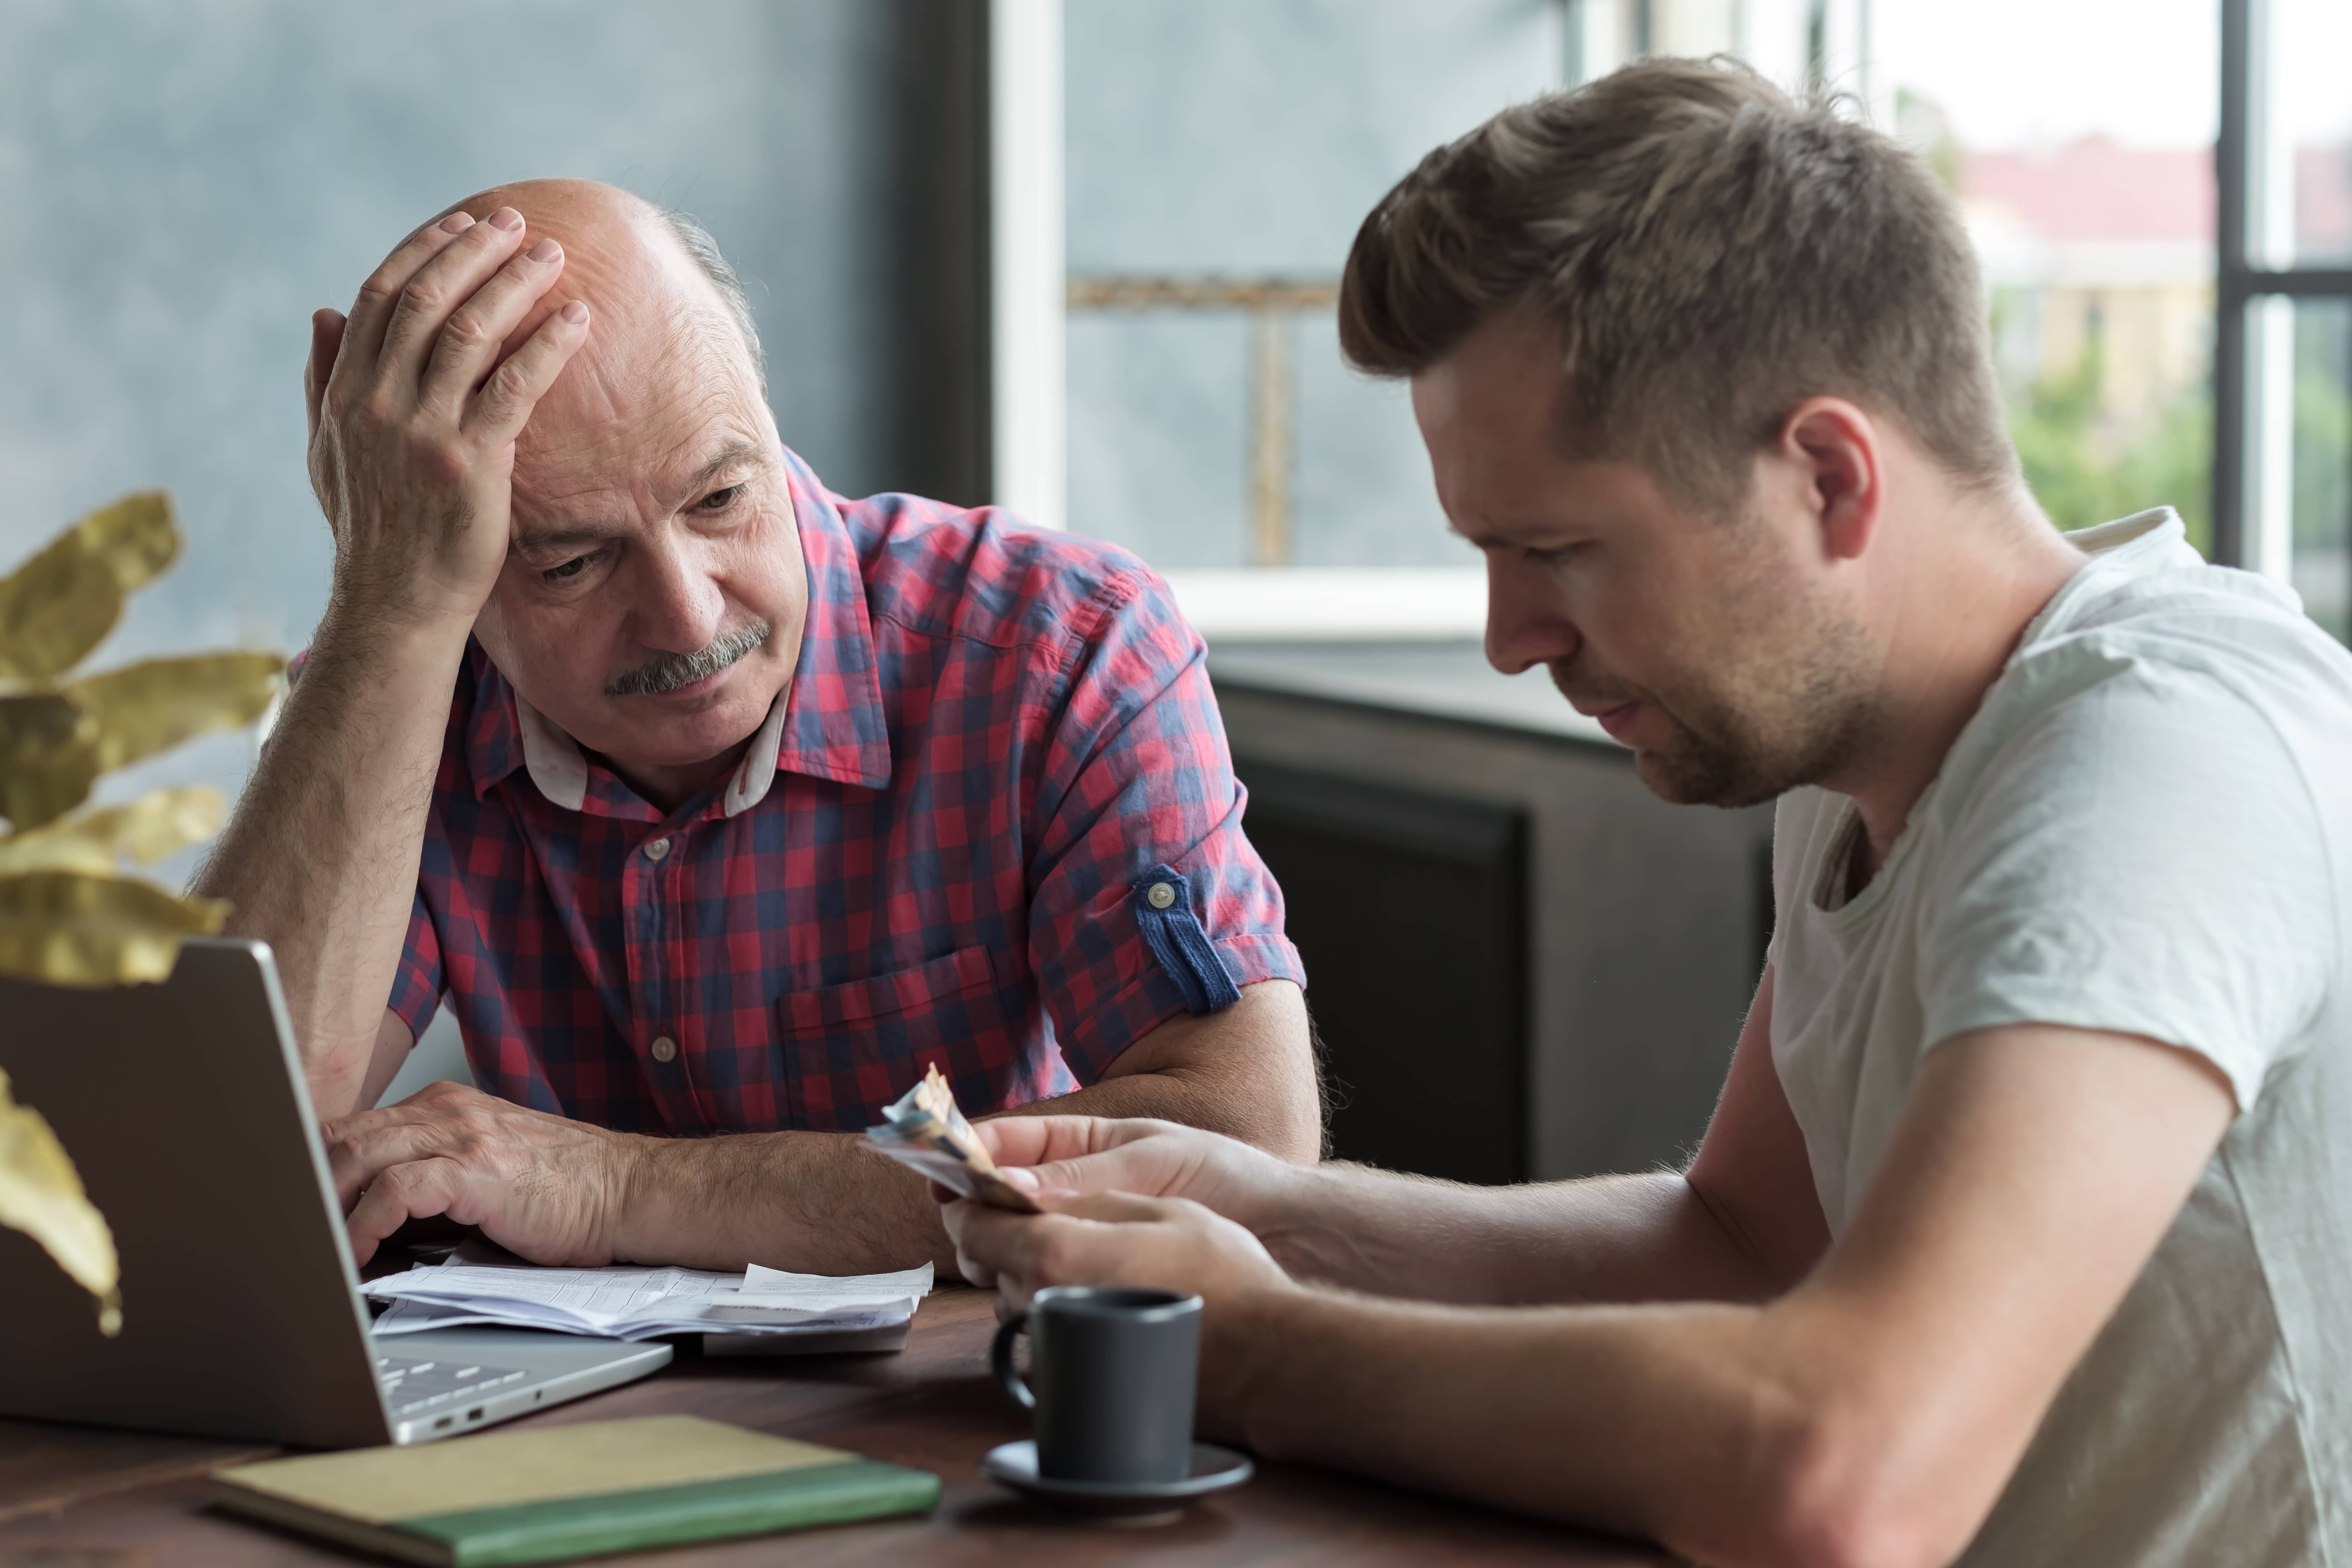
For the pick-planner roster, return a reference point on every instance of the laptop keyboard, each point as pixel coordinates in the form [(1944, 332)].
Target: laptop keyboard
[(413, 1387)]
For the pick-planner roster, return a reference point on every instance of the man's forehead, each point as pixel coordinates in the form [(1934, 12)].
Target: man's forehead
[(581, 493)]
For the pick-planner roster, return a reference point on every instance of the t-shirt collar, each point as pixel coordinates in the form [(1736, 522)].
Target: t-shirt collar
[(829, 723)]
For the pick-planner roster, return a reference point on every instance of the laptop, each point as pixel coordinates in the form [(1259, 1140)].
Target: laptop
[(184, 1107)]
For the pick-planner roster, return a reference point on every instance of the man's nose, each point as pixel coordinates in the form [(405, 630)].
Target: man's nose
[(679, 606), (1526, 624)]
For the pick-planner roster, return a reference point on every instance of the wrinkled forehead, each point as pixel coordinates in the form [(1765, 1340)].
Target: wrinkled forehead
[(662, 385)]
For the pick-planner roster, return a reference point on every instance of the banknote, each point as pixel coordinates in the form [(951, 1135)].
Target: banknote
[(924, 1129)]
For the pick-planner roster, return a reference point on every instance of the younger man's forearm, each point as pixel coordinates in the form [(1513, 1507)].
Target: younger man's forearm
[(1606, 1239)]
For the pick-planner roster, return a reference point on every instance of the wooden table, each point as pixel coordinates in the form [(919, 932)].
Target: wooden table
[(77, 1497)]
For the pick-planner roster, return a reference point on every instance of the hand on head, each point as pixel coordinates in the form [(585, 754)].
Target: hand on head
[(1128, 1203), (413, 414)]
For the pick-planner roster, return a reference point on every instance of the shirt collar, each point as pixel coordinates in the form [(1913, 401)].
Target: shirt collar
[(829, 723)]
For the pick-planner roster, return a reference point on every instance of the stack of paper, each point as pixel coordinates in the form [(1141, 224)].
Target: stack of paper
[(625, 1303)]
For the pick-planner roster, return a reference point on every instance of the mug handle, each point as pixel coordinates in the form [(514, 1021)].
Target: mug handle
[(1000, 1361)]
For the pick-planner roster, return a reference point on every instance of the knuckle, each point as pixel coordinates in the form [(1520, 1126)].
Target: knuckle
[(510, 382), (379, 290), (467, 329), (425, 295)]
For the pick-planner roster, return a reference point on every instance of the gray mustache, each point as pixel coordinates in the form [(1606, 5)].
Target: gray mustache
[(672, 670)]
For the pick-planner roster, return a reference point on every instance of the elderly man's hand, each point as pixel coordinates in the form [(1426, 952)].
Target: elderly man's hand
[(544, 1188), (413, 416)]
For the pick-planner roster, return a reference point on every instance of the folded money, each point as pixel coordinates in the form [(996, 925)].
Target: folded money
[(927, 1132)]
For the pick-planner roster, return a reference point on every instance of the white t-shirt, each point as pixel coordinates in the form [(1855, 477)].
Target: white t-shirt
[(2146, 827)]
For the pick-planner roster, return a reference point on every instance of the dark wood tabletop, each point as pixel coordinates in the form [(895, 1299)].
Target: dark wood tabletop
[(77, 1497)]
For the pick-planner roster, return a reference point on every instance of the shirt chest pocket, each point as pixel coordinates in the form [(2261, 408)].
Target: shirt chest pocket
[(845, 1051)]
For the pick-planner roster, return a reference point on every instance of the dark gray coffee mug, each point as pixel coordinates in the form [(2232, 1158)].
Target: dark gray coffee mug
[(1115, 1371)]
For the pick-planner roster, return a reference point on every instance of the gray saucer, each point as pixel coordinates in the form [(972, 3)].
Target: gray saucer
[(1123, 1502)]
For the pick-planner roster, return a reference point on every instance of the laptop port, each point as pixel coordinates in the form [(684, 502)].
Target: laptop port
[(443, 1424), (475, 1414)]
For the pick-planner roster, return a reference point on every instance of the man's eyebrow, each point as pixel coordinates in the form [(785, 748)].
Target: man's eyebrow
[(537, 539), (726, 458)]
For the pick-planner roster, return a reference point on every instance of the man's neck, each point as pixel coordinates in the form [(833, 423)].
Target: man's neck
[(668, 788), (1968, 585)]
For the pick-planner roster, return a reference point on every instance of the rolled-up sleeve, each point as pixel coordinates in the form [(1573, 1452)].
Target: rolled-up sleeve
[(1147, 898)]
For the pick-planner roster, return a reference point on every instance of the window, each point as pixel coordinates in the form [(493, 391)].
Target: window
[(2172, 326), (1212, 163), (2089, 195), (2283, 373)]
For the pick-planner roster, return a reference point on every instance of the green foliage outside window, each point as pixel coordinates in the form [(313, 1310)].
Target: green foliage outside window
[(2083, 475)]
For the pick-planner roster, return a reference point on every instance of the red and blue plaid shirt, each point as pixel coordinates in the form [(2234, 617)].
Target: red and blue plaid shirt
[(1001, 833)]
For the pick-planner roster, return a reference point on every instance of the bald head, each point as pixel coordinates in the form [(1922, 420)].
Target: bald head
[(616, 242), (654, 594)]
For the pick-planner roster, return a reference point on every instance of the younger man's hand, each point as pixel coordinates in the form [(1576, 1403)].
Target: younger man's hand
[(1110, 1238), (1055, 1158)]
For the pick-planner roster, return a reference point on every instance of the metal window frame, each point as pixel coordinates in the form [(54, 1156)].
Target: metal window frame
[(2239, 284)]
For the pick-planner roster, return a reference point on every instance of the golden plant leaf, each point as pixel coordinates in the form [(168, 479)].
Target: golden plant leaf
[(143, 708), (61, 604), (48, 754), (41, 1194), (79, 927), (159, 822)]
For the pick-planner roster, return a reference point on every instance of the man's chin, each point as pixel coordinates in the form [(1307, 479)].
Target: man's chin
[(1692, 776), (681, 729)]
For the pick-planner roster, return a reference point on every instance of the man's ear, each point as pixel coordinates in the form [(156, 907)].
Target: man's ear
[(1836, 444)]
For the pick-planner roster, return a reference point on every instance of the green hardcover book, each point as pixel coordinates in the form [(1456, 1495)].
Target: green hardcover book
[(570, 1491)]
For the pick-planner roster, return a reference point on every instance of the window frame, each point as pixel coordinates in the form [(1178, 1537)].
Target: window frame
[(2250, 529)]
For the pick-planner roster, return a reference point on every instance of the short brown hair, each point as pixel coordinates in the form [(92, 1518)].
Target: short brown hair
[(1712, 253)]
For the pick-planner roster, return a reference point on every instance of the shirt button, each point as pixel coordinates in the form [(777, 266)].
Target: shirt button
[(1161, 895), (665, 1048), (654, 851)]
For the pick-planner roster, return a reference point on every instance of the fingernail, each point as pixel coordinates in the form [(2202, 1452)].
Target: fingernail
[(545, 250), (1015, 1176), (575, 312), (457, 223), (506, 218)]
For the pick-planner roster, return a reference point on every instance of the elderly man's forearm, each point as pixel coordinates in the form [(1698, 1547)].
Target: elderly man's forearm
[(321, 859), (823, 1202)]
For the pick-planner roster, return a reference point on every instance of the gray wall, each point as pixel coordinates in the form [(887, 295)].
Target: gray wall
[(185, 179), (181, 182)]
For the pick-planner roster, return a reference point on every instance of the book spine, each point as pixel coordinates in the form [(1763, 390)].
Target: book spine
[(668, 1516)]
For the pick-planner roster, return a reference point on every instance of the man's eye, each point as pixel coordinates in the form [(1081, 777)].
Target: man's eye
[(1555, 555), (571, 568), (719, 501)]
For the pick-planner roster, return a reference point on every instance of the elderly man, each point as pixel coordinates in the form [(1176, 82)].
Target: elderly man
[(2021, 1228), (711, 802)]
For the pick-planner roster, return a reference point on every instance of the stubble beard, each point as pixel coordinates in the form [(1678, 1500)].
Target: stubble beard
[(1787, 704)]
